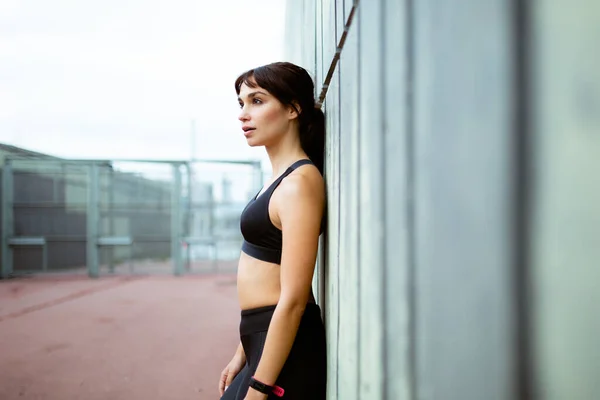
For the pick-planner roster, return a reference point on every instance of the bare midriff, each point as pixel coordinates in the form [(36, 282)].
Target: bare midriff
[(258, 283)]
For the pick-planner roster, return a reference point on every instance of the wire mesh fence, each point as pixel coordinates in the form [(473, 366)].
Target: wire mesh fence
[(123, 217)]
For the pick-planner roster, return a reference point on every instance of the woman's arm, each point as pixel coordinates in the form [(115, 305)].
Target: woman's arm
[(240, 353), (299, 204)]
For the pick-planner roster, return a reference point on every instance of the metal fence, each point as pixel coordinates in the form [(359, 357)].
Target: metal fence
[(106, 216)]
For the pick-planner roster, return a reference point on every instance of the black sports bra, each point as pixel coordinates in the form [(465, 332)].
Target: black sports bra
[(262, 239)]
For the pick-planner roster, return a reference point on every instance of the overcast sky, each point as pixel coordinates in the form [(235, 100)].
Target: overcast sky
[(125, 78)]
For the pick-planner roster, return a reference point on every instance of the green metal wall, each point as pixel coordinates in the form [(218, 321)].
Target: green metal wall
[(462, 253)]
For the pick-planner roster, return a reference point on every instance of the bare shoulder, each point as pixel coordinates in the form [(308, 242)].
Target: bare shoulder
[(300, 201), (300, 195), (304, 183)]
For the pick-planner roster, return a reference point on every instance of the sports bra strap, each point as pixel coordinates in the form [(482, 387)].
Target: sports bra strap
[(299, 163), (288, 171)]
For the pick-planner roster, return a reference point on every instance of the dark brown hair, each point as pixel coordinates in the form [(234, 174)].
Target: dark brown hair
[(292, 85)]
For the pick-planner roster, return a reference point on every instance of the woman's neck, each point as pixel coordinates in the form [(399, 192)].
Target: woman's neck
[(281, 161), (283, 154)]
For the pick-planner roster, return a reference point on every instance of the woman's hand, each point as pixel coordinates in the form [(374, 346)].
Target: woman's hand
[(255, 395), (231, 370)]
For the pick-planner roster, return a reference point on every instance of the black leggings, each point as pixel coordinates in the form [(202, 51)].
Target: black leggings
[(304, 373)]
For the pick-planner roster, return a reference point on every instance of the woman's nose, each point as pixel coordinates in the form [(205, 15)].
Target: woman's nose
[(243, 114)]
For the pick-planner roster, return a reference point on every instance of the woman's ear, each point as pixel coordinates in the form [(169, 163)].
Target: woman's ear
[(294, 110)]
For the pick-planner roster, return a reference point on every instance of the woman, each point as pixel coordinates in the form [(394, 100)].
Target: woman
[(282, 347)]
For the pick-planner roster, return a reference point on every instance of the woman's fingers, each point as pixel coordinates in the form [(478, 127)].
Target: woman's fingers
[(230, 377), (223, 381)]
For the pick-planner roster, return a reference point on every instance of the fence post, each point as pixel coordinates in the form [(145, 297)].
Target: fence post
[(92, 221), (7, 218), (176, 221), (189, 215), (110, 186)]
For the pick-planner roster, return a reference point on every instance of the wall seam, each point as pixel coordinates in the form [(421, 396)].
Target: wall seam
[(339, 227), (410, 198), (358, 208), (522, 189), (382, 207)]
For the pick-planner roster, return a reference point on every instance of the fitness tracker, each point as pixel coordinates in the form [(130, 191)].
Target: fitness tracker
[(266, 389)]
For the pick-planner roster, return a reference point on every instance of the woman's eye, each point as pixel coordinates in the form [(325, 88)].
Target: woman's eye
[(241, 105), (257, 101)]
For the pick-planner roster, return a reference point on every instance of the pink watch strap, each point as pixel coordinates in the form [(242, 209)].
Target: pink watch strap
[(264, 388), (278, 391)]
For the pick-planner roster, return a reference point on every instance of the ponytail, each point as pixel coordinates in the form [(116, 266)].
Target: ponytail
[(312, 137)]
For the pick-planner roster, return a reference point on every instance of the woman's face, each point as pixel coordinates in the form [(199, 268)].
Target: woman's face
[(264, 118)]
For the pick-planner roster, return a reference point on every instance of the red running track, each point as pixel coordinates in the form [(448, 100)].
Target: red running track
[(117, 338)]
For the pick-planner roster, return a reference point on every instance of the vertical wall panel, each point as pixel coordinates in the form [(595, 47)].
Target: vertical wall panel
[(340, 19), (566, 172), (332, 272), (347, 8), (463, 182), (398, 201), (348, 358), (300, 33), (309, 53), (371, 201), (319, 50), (294, 35), (329, 34)]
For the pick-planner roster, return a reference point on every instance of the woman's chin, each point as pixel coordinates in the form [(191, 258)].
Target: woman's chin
[(252, 142)]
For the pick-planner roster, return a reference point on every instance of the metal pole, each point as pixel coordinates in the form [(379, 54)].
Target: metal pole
[(92, 221), (189, 217), (176, 221), (211, 225), (111, 220), (7, 218), (45, 256)]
